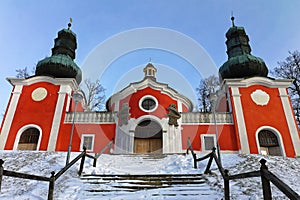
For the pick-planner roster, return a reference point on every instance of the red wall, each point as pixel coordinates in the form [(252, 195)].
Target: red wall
[(32, 112), (103, 134), (271, 115), (164, 102), (227, 138)]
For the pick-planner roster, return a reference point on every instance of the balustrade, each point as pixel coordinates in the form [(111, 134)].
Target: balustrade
[(197, 117), (90, 117)]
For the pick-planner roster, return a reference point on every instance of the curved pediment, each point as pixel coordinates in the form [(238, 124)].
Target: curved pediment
[(147, 82)]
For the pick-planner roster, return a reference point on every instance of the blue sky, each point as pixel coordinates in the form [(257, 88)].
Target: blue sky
[(29, 27)]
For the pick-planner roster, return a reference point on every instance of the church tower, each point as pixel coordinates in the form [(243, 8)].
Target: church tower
[(261, 107), (38, 104), (61, 63)]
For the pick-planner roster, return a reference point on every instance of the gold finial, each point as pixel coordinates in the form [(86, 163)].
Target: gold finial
[(232, 19), (70, 23)]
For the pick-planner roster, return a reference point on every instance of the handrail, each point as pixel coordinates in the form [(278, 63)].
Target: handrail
[(97, 155), (50, 179), (24, 176), (190, 147), (264, 173), (63, 170)]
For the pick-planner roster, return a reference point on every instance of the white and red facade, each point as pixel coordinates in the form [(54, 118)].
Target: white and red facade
[(253, 115), (245, 108)]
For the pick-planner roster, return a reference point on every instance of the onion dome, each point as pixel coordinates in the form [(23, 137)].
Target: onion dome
[(61, 63), (240, 63)]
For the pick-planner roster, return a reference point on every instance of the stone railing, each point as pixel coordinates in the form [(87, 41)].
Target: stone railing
[(90, 117), (109, 117), (197, 117)]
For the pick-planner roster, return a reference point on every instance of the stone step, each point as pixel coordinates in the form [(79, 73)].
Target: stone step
[(157, 185)]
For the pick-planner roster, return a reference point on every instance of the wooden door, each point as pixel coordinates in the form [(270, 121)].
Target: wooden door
[(141, 145), (155, 145), (145, 146)]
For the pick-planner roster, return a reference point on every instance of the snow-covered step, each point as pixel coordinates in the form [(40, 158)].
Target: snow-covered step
[(155, 185)]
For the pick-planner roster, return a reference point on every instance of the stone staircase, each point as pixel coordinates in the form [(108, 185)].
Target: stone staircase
[(150, 185)]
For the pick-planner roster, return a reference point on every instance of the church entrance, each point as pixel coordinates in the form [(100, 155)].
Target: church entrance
[(29, 139), (148, 138), (269, 144)]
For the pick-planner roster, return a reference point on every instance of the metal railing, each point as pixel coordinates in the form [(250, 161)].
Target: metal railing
[(97, 155), (50, 179), (267, 177)]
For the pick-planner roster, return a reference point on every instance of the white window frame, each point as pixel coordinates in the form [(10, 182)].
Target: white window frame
[(148, 97), (82, 140), (203, 142)]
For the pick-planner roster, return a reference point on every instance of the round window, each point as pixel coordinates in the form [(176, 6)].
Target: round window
[(148, 103)]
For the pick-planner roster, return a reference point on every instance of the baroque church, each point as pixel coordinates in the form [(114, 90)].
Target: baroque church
[(253, 112)]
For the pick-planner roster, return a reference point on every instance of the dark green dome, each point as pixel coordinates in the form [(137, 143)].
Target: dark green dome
[(61, 63), (59, 66), (243, 66), (240, 63)]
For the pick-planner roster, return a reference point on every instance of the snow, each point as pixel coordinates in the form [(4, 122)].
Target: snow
[(70, 186)]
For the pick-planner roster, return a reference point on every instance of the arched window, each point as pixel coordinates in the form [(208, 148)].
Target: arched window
[(29, 139), (269, 144), (148, 137)]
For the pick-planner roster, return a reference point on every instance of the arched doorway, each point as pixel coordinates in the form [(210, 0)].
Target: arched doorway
[(148, 137), (269, 143), (29, 139)]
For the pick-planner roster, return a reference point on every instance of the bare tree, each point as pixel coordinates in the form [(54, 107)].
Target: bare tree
[(206, 87), (24, 73), (290, 69), (95, 95)]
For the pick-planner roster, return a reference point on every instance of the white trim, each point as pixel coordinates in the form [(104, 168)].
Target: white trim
[(228, 101), (203, 142), (69, 99), (142, 118), (240, 121), (24, 128), (10, 115), (148, 97), (271, 83), (179, 106), (57, 118), (290, 119), (37, 79), (93, 141), (276, 132)]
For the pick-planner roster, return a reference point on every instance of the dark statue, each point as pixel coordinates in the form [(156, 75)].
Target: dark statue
[(173, 114)]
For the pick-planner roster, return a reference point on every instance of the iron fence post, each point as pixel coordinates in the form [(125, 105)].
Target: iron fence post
[(82, 162), (1, 172), (51, 186), (265, 182), (226, 185), (195, 161)]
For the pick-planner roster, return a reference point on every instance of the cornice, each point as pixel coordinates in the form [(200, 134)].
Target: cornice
[(36, 79), (267, 82)]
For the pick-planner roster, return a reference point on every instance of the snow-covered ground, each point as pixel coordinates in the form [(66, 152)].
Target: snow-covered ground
[(69, 186)]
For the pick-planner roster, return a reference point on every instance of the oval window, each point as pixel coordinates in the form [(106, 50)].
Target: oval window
[(148, 103)]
